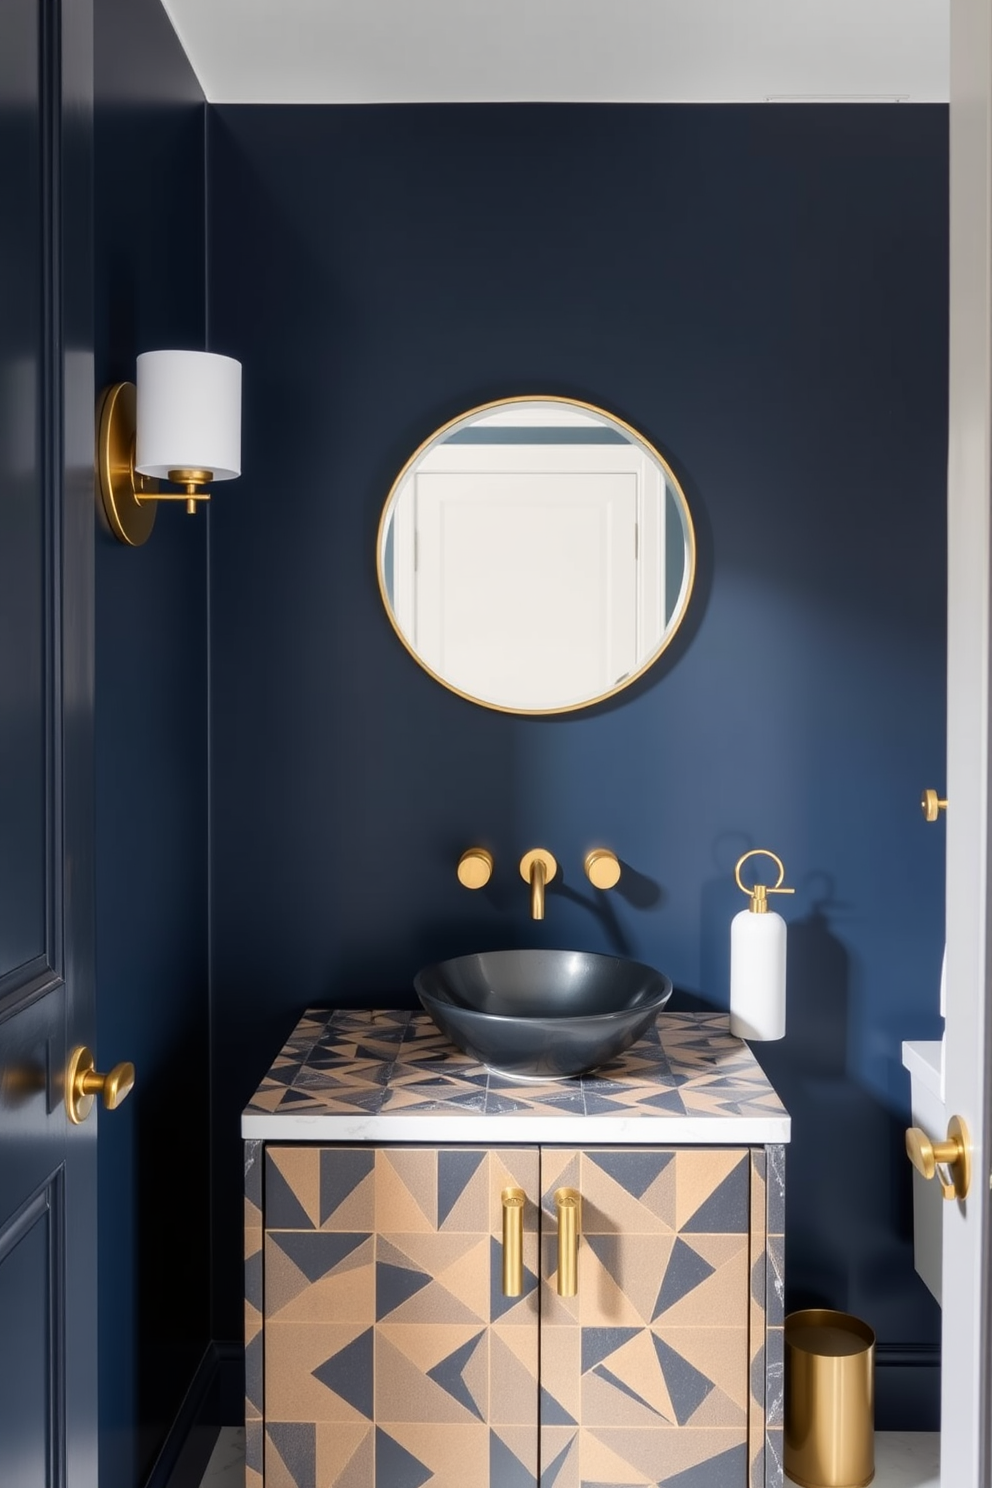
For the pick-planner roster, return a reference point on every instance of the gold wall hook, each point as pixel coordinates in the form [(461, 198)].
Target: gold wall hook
[(513, 1242), (949, 1162), (475, 867), (568, 1203), (83, 1084), (932, 805), (602, 868), (537, 867)]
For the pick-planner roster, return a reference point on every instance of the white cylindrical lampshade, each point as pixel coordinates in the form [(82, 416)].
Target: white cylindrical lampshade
[(188, 414)]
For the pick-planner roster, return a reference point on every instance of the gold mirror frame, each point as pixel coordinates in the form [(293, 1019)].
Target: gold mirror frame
[(674, 485)]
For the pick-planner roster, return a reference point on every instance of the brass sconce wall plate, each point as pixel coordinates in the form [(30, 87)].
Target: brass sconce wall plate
[(131, 520)]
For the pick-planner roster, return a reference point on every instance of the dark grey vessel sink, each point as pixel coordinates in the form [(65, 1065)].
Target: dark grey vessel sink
[(542, 1015)]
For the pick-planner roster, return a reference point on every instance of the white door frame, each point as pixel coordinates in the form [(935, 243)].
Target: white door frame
[(966, 1378)]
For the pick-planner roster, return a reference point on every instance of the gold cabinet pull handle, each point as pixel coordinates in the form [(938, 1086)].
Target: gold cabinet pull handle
[(569, 1206), (949, 1162), (83, 1084), (513, 1242)]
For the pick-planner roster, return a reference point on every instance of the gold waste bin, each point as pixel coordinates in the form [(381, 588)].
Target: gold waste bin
[(829, 1399)]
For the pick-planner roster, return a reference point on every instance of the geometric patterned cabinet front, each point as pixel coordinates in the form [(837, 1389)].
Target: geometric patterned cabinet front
[(382, 1352)]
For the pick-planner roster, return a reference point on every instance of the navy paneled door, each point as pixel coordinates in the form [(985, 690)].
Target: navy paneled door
[(47, 1167)]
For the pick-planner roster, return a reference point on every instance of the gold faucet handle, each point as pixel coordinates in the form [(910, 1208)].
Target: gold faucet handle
[(475, 867), (83, 1083), (602, 868), (949, 1162), (932, 805), (537, 867)]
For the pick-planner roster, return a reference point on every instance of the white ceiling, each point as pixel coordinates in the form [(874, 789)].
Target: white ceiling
[(557, 51)]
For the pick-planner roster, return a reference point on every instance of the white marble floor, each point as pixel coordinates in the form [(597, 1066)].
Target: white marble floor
[(226, 1468), (907, 1459), (903, 1459)]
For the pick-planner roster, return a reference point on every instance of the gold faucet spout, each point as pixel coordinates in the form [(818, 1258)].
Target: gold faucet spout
[(537, 868), (537, 874)]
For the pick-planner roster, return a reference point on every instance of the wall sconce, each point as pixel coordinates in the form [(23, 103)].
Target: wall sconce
[(182, 424)]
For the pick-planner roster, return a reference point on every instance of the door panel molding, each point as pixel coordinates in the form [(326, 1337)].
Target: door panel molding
[(23, 983), (46, 1208)]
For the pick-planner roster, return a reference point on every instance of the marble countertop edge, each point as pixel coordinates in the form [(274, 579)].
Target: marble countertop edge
[(559, 1131)]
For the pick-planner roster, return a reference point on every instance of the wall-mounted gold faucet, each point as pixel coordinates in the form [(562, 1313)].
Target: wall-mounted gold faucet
[(537, 868), (602, 868), (475, 867)]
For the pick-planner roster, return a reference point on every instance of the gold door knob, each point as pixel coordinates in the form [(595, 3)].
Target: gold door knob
[(475, 867), (83, 1084), (568, 1203), (602, 868), (949, 1162), (537, 867), (932, 805), (513, 1242)]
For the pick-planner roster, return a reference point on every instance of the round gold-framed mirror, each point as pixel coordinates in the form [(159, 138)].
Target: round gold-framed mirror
[(536, 554)]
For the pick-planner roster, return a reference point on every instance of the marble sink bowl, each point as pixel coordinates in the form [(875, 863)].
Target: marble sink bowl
[(542, 1015)]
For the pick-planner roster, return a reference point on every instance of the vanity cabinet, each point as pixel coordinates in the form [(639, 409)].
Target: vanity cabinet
[(382, 1351)]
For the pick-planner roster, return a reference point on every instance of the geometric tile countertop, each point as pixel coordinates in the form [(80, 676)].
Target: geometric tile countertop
[(362, 1075)]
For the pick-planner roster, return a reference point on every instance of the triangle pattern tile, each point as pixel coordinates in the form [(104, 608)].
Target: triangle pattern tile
[(562, 1470), (552, 1412), (632, 1264), (456, 1456), (405, 1391), (284, 1072), (713, 1190), (505, 1468), (317, 1253), (687, 1387), (450, 1374), (341, 1171), (455, 1170), (685, 1271), (499, 1303), (719, 1411), (612, 1410), (298, 1098), (512, 1378), (296, 1444), (432, 1305), (284, 1207), (606, 1205), (600, 1465), (349, 1373), (406, 1189), (395, 1285), (726, 1470), (635, 1170), (720, 1353), (395, 1467), (599, 1343), (357, 1468), (636, 1365)]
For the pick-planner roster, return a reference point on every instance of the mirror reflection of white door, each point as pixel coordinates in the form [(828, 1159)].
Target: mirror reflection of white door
[(966, 1439), (532, 574)]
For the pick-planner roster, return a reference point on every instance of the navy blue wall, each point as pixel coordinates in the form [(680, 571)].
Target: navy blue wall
[(763, 292), (151, 746)]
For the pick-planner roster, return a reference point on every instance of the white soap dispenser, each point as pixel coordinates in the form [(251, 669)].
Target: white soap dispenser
[(757, 959)]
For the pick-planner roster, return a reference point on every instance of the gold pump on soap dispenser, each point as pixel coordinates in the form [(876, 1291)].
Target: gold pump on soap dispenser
[(757, 959)]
